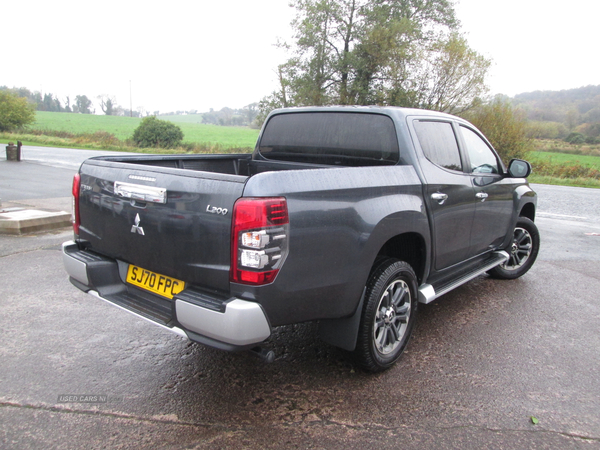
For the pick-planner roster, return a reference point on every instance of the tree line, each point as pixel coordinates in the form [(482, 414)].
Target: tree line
[(81, 104), (572, 114), (49, 102), (108, 105), (245, 116)]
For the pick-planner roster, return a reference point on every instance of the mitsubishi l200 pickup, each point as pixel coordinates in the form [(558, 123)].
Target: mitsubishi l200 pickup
[(349, 216)]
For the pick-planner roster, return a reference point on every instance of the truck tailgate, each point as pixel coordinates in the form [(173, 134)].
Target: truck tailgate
[(182, 232)]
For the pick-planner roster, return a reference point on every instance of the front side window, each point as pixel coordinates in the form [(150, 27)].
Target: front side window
[(481, 157), (439, 144)]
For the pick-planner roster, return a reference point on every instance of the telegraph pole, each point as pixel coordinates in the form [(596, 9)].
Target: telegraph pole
[(130, 102)]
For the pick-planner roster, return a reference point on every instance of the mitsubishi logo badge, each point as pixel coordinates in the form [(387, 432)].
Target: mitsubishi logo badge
[(136, 228)]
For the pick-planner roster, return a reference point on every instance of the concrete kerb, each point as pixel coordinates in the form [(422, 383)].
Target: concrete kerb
[(21, 218)]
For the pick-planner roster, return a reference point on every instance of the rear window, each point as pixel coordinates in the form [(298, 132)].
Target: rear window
[(348, 139), (439, 144)]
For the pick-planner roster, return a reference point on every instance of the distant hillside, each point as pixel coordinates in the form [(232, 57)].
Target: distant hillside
[(572, 110)]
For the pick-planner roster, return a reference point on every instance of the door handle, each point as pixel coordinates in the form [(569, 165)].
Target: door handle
[(439, 197), (482, 196)]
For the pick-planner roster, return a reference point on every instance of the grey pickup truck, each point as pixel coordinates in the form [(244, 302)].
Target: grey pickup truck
[(349, 216)]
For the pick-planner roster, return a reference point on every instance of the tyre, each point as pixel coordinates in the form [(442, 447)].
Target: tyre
[(523, 251), (388, 316)]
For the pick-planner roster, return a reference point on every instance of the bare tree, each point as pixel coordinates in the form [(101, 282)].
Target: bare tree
[(107, 104)]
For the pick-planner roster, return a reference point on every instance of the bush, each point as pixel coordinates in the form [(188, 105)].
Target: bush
[(546, 130), (153, 132), (15, 112), (575, 138), (506, 128), (589, 129), (592, 140)]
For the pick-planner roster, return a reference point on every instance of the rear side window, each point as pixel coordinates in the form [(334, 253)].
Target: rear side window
[(439, 144), (347, 139)]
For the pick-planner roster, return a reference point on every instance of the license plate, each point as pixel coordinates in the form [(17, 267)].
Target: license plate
[(154, 282)]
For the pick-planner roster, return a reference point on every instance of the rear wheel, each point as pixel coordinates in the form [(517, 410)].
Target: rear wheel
[(522, 251), (388, 317)]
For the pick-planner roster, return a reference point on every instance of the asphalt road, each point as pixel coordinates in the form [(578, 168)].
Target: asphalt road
[(484, 359)]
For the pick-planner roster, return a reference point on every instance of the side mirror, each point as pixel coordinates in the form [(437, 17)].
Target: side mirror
[(517, 168)]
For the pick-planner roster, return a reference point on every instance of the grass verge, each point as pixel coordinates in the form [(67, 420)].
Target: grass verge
[(557, 181)]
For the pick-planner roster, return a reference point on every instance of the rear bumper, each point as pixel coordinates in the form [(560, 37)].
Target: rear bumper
[(225, 323)]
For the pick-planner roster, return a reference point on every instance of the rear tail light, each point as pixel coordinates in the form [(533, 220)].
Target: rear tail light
[(259, 239), (75, 211)]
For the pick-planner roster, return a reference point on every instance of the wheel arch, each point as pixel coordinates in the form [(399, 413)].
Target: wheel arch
[(528, 210), (409, 247)]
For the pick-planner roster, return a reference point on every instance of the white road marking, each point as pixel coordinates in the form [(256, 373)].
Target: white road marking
[(563, 216)]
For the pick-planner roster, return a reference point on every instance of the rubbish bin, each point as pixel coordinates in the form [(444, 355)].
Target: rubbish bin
[(13, 152)]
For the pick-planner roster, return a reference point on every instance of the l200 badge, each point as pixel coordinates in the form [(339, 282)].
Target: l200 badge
[(216, 210)]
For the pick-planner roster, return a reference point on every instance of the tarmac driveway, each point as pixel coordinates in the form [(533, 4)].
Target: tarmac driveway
[(486, 358)]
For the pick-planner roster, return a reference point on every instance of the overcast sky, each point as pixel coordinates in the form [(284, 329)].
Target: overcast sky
[(183, 55)]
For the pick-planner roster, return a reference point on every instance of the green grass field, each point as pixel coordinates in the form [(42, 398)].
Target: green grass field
[(565, 169), (123, 127), (568, 159)]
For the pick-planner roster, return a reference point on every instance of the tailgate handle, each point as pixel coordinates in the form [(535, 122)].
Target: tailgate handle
[(140, 192)]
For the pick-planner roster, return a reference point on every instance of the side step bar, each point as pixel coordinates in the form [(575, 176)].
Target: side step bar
[(427, 293)]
